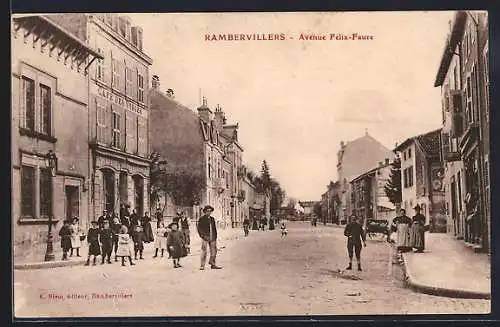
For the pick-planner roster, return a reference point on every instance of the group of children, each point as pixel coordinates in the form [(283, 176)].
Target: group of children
[(104, 236)]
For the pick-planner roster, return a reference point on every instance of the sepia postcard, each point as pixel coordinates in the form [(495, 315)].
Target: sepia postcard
[(250, 164)]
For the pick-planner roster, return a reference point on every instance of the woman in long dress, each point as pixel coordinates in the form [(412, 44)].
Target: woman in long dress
[(417, 232), (402, 225)]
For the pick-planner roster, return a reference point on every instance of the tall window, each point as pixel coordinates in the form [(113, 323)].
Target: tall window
[(100, 68), (131, 130), (28, 191), (459, 190), (410, 176), (209, 168), (45, 109), (468, 94), (45, 193), (116, 74), (36, 189), (409, 153), (128, 80), (102, 118), (140, 88), (116, 130), (29, 103), (486, 84), (142, 134)]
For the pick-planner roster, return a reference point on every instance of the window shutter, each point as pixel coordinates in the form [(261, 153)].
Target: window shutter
[(445, 138)]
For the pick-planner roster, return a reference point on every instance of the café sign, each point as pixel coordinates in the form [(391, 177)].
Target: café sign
[(120, 101)]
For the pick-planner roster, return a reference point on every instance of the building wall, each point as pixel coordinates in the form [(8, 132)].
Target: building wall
[(69, 98), (410, 161)]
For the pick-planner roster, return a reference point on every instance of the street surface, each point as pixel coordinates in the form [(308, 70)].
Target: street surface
[(263, 274)]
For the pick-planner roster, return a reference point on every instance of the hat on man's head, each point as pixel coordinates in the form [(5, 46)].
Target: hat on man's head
[(179, 212), (417, 207), (75, 218), (208, 207), (93, 222)]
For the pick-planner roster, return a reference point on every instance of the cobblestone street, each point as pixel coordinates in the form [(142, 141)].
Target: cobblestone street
[(263, 274)]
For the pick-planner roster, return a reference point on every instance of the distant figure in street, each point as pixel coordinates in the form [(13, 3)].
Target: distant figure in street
[(246, 226), (115, 228), (401, 225), (355, 235), (284, 231), (124, 245), (138, 238), (65, 234), (161, 239), (207, 230), (184, 224), (76, 232), (106, 238), (159, 217), (417, 232), (134, 218), (93, 241), (176, 244)]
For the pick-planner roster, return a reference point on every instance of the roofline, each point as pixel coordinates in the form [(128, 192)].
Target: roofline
[(64, 31), (404, 144), (449, 48)]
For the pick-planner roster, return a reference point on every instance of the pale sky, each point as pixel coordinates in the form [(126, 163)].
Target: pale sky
[(296, 100)]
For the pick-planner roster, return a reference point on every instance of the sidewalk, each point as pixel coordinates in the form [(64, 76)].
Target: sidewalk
[(35, 259), (448, 268)]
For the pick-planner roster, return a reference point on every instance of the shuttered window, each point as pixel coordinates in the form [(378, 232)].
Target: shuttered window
[(28, 191)]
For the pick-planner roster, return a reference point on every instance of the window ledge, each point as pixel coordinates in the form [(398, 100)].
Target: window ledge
[(36, 221), (38, 135)]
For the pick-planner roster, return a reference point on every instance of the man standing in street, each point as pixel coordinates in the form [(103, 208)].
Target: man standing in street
[(184, 224), (355, 235), (208, 234)]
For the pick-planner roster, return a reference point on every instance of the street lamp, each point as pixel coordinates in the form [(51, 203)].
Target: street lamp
[(51, 163)]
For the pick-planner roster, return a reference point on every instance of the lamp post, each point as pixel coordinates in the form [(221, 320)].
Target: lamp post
[(51, 163)]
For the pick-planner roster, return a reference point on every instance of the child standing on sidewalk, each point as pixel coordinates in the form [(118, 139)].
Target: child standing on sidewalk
[(124, 246), (161, 239), (176, 244), (93, 240), (65, 234), (138, 237), (284, 231), (106, 241)]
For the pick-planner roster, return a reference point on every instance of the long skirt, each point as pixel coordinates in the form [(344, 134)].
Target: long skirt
[(160, 242), (417, 234), (403, 237), (94, 248), (124, 250), (75, 241)]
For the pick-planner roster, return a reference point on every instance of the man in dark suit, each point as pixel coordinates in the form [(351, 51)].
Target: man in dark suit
[(207, 230)]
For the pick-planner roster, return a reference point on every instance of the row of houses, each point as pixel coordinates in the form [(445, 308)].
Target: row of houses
[(81, 94), (445, 171)]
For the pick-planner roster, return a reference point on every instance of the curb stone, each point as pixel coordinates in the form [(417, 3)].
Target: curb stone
[(440, 291)]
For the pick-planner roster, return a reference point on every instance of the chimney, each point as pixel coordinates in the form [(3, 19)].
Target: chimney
[(342, 144), (155, 83), (380, 163), (204, 111), (386, 161), (220, 117), (366, 131)]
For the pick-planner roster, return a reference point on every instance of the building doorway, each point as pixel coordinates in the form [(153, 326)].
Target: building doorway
[(454, 212), (109, 190), (123, 188), (72, 202), (139, 194)]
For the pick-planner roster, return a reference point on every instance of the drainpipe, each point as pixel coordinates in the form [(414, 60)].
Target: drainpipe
[(480, 167)]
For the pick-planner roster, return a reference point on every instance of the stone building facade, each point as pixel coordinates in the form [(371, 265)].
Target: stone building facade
[(422, 174), (354, 158), (463, 76), (50, 67)]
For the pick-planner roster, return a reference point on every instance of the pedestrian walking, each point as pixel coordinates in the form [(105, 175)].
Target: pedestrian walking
[(401, 225), (284, 231), (65, 233), (184, 222), (106, 238), (176, 244), (76, 233), (124, 250), (102, 218), (148, 230), (355, 236), (115, 228), (246, 226), (93, 241), (138, 238), (207, 230), (417, 232), (161, 239)]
